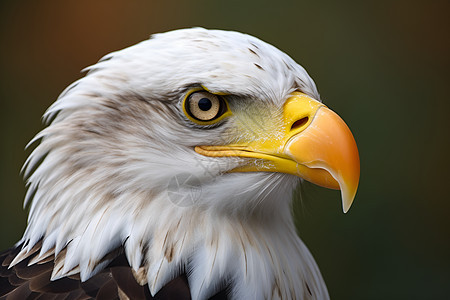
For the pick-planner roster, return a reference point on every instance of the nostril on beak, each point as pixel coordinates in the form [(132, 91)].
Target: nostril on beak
[(299, 123)]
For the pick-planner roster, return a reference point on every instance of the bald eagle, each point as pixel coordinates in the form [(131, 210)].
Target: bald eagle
[(168, 172)]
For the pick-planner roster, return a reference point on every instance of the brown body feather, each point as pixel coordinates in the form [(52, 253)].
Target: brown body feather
[(114, 282)]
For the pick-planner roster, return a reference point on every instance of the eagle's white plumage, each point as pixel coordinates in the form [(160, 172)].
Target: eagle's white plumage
[(101, 174)]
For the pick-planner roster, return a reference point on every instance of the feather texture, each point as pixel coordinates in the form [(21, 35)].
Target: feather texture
[(115, 281)]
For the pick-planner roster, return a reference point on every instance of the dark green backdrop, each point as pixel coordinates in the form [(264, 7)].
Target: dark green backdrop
[(382, 65)]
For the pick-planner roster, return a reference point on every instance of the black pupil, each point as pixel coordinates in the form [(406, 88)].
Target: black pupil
[(204, 104)]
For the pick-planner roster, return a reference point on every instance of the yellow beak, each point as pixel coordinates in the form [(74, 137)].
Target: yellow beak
[(315, 144)]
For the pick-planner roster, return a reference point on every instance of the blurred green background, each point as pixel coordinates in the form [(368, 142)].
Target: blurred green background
[(382, 65)]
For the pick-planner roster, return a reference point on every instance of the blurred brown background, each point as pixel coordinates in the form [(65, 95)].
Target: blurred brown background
[(382, 65)]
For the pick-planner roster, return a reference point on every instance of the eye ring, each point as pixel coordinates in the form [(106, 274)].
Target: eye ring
[(205, 108)]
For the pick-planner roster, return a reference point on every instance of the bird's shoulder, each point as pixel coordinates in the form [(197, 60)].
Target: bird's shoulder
[(116, 281)]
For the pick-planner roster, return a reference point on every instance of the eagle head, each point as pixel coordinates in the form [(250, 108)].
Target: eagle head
[(183, 152)]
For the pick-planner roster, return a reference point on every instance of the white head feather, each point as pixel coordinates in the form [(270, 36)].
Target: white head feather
[(103, 173)]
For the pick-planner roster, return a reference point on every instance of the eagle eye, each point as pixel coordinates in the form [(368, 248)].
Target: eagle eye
[(204, 108)]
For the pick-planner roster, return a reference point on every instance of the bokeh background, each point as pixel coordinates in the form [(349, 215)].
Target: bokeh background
[(382, 65)]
